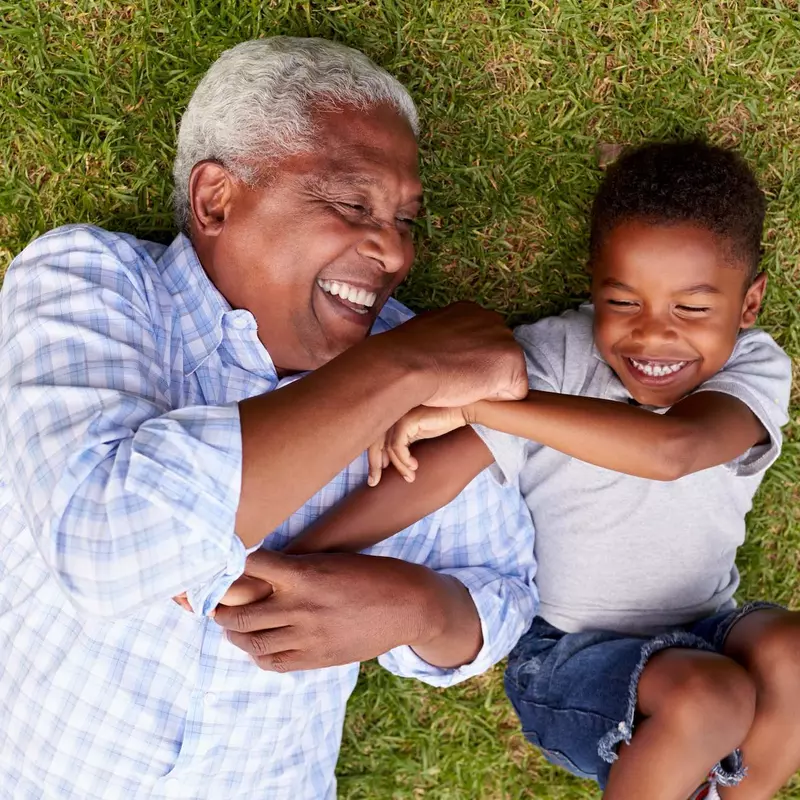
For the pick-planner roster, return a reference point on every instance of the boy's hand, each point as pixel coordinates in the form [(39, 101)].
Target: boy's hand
[(421, 423), (242, 591), (246, 589)]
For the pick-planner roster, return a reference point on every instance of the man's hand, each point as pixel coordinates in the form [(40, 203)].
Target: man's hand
[(469, 353), (337, 608), (421, 423)]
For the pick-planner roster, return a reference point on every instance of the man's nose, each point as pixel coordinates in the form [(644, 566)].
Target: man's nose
[(384, 244)]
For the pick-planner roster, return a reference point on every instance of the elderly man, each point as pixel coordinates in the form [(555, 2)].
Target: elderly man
[(154, 432)]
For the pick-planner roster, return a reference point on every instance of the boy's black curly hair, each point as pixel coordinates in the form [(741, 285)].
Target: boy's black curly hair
[(689, 181)]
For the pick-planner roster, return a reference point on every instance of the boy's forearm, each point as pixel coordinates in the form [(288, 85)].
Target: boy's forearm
[(620, 437), (370, 515)]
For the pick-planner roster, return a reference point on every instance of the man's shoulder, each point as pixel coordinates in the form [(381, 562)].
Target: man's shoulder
[(75, 262), (92, 253), (83, 237)]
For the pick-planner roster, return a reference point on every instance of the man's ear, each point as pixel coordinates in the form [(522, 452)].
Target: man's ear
[(210, 193), (753, 298)]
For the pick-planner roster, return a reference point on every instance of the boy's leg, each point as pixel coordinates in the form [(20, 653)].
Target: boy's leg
[(766, 643), (696, 708)]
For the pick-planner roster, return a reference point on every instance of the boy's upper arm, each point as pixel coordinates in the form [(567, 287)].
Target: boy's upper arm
[(752, 398), (545, 344)]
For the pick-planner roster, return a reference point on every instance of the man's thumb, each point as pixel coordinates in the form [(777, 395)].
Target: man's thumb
[(268, 565)]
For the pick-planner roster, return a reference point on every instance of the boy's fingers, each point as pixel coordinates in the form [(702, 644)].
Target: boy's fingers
[(376, 455), (402, 439), (400, 465), (246, 590), (183, 602)]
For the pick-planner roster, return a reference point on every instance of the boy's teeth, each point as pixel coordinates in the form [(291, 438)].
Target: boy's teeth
[(360, 297), (657, 370)]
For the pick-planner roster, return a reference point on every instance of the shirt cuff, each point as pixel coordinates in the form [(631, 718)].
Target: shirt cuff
[(502, 623), (761, 456), (205, 598)]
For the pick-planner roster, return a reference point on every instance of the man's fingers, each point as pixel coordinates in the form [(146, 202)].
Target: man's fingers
[(270, 566), (293, 661), (263, 615), (262, 644)]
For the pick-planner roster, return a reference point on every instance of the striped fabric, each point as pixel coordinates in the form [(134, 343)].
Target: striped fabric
[(120, 371)]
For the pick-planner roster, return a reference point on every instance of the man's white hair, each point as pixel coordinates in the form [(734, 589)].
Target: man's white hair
[(254, 105)]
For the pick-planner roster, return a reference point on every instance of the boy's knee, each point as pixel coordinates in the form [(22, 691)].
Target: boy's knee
[(774, 658), (712, 699)]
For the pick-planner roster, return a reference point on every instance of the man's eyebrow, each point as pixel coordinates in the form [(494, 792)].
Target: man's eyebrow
[(339, 180), (343, 179)]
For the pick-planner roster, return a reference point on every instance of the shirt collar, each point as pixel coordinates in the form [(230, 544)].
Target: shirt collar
[(200, 305)]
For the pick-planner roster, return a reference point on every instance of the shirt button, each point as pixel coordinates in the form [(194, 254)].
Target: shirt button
[(209, 698)]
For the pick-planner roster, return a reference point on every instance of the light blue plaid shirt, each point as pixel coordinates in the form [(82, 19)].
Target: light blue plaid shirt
[(120, 371)]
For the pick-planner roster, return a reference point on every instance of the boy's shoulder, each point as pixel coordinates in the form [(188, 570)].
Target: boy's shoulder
[(554, 336), (758, 371), (755, 345), (560, 349)]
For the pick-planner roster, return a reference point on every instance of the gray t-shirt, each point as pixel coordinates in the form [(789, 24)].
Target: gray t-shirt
[(628, 554)]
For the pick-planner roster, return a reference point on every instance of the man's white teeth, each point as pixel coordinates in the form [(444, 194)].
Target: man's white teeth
[(656, 370), (345, 291)]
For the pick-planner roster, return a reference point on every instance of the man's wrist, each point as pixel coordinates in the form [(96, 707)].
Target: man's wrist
[(409, 368)]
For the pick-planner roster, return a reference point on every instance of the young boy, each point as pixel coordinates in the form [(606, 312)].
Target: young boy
[(652, 417)]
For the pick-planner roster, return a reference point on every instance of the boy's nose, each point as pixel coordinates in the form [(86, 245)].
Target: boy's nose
[(653, 328)]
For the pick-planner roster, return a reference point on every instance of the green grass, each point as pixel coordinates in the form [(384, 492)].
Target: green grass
[(515, 99)]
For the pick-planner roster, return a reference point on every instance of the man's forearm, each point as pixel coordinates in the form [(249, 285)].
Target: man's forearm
[(450, 625), (296, 440)]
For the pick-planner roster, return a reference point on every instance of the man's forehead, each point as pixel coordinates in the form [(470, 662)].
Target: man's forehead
[(379, 132), (354, 173), (361, 173)]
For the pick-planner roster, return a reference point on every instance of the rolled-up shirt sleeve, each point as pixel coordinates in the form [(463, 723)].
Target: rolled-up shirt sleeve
[(130, 500), (485, 539)]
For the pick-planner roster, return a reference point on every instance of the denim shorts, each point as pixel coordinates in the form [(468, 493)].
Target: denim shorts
[(575, 693)]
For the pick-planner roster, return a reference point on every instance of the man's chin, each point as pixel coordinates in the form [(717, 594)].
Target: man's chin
[(333, 346)]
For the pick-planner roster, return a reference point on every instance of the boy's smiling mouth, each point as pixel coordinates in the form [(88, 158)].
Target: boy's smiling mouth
[(657, 372), (657, 369)]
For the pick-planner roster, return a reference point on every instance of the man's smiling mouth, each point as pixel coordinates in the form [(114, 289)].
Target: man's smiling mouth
[(358, 300)]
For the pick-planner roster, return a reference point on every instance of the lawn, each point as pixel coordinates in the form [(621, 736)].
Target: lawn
[(517, 99)]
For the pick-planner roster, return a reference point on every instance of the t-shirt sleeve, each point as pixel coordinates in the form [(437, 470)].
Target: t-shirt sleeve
[(759, 374), (544, 345)]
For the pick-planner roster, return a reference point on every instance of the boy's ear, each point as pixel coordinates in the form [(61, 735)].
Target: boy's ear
[(753, 298)]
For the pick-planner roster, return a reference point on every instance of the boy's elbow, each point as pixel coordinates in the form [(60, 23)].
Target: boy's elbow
[(675, 458)]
